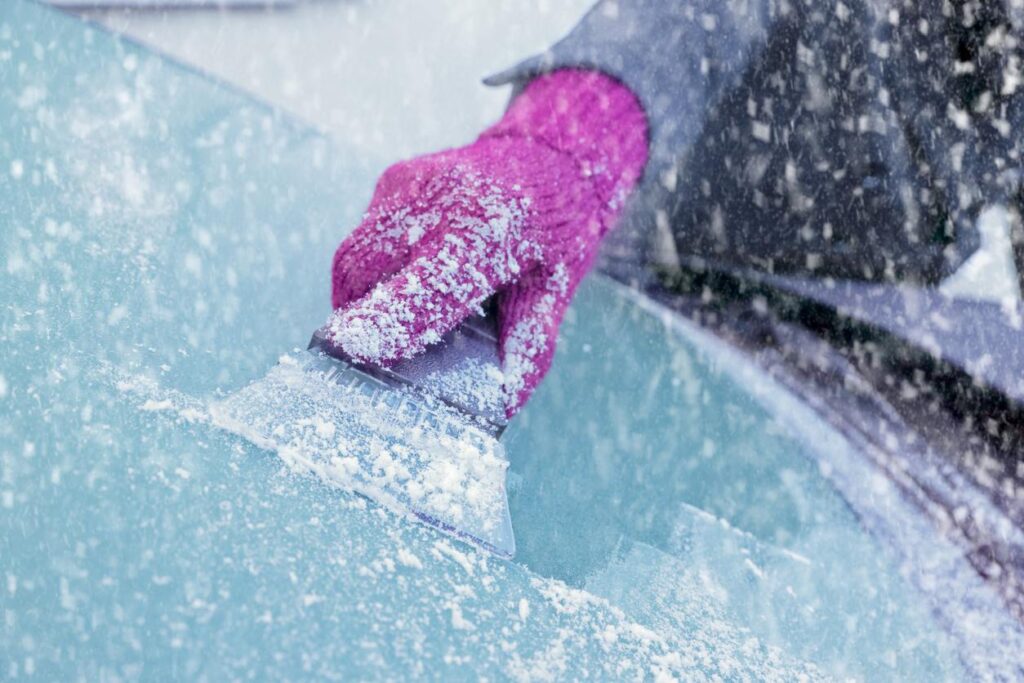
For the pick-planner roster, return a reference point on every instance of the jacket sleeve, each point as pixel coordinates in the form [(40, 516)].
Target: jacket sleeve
[(679, 58), (895, 144)]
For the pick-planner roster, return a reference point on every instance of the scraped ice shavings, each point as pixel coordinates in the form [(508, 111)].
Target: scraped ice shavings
[(397, 447), (475, 383)]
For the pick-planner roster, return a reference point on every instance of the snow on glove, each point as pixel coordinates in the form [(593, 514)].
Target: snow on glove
[(520, 212)]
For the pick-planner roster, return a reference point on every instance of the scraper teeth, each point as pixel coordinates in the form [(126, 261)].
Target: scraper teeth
[(454, 430), (389, 400), (348, 380), (408, 412), (368, 390), (339, 372), (430, 421)]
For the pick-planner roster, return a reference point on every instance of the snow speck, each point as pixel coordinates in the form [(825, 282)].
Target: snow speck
[(116, 315), (407, 559), (462, 559), (459, 622), (30, 96), (325, 429), (193, 264), (761, 131), (754, 569), (152, 405)]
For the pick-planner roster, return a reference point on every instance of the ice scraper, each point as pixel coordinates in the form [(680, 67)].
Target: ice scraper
[(420, 437)]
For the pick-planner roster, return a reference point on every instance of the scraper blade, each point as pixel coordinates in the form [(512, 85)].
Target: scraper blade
[(420, 437)]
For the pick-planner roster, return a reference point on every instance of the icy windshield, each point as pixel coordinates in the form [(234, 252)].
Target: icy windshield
[(165, 239)]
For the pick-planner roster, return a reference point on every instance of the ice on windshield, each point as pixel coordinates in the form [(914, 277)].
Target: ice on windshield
[(166, 240)]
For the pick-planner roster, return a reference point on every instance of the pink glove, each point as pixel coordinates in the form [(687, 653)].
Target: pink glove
[(519, 212)]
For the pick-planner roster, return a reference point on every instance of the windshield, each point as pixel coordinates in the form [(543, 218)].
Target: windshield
[(166, 239)]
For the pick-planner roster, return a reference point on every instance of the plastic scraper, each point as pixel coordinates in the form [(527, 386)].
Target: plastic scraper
[(419, 437)]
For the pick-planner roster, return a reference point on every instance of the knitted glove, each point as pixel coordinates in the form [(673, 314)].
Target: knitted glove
[(520, 212)]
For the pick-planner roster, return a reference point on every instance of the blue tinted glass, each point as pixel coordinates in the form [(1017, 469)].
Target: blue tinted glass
[(163, 239)]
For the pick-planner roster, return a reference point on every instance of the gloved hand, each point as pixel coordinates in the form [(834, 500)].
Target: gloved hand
[(520, 212)]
